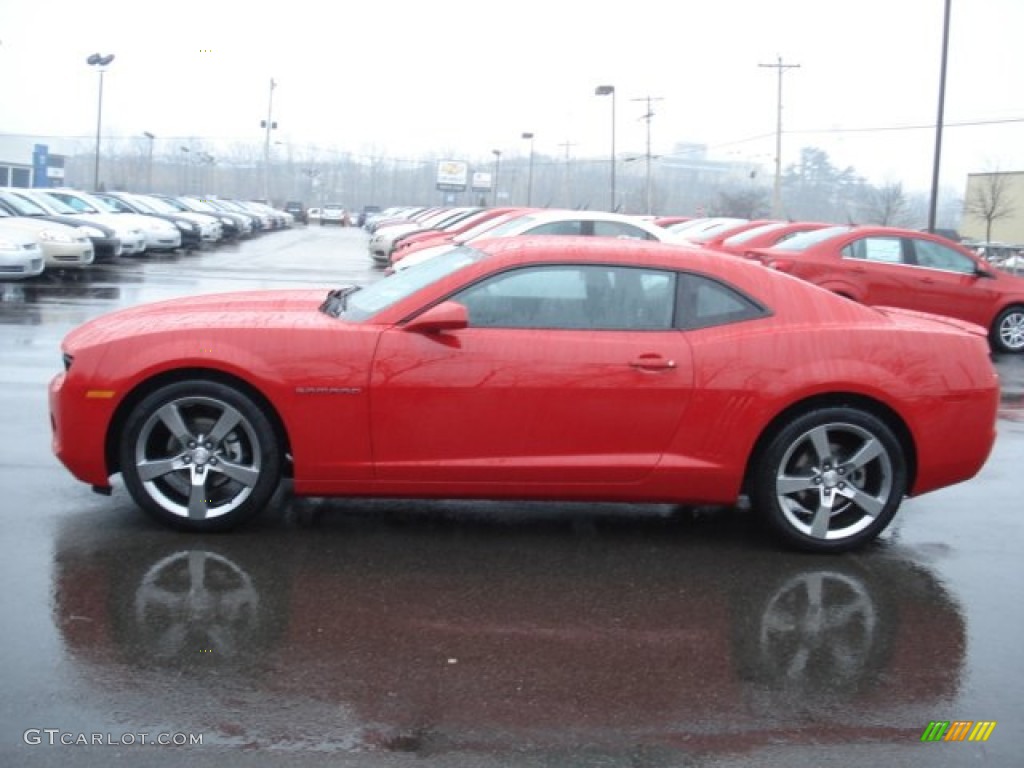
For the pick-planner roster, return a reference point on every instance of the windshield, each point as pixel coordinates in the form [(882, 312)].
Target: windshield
[(805, 240), (198, 205), (511, 227), (56, 205), (750, 234), (392, 289), (155, 203), (21, 205), (488, 225), (140, 203)]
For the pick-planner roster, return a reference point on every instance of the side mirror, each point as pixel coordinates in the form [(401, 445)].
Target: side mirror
[(446, 316), (981, 271)]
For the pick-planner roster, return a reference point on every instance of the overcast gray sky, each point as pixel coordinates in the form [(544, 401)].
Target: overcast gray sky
[(410, 78)]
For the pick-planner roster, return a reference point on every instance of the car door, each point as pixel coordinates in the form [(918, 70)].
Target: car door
[(878, 266), (566, 374), (948, 283)]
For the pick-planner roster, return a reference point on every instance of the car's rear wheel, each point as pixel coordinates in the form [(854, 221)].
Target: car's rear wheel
[(830, 480), (200, 455), (1008, 330)]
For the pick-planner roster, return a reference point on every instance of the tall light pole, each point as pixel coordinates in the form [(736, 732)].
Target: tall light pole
[(102, 62), (149, 161), (934, 197), (497, 167), (609, 90), (647, 155), (529, 176), (269, 124), (777, 188), (187, 152)]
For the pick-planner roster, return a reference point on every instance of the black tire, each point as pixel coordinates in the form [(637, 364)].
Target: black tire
[(200, 456), (817, 489), (1008, 331)]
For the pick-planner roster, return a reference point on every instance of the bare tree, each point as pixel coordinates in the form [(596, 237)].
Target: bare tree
[(750, 203), (989, 200), (889, 206)]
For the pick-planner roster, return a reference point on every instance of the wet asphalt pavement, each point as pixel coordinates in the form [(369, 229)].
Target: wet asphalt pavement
[(385, 633)]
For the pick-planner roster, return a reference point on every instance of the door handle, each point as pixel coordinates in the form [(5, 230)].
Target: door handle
[(653, 363)]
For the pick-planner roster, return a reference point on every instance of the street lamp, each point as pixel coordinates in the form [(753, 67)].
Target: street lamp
[(269, 125), (529, 178), (497, 167), (149, 161), (609, 90), (101, 61)]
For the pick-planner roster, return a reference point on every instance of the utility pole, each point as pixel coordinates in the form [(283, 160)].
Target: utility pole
[(933, 200), (777, 189), (647, 155), (565, 178)]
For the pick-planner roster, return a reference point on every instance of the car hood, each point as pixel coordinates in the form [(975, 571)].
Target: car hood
[(37, 225), (289, 309)]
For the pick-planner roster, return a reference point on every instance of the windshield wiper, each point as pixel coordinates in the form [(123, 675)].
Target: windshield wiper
[(337, 300)]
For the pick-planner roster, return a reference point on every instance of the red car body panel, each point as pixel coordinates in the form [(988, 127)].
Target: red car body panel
[(373, 408)]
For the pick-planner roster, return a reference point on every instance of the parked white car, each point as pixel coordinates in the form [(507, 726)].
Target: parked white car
[(20, 254), (62, 246), (161, 235), (133, 239)]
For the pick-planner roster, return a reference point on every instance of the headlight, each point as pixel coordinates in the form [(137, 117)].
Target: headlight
[(91, 231), (185, 226), (226, 221), (9, 245), (54, 236)]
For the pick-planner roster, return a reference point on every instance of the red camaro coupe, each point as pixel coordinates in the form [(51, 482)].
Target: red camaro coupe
[(533, 368)]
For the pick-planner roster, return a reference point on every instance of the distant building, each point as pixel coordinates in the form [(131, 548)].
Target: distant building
[(1010, 190), (27, 163)]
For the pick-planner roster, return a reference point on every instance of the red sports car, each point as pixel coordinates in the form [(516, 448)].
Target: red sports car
[(885, 266), (533, 368)]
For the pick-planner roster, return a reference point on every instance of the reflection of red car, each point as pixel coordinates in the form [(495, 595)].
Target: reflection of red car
[(763, 236), (545, 368), (884, 266), (430, 636)]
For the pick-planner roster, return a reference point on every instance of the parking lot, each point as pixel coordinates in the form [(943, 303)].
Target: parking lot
[(378, 632)]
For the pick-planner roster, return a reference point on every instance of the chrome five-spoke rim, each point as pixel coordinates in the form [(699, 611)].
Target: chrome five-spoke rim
[(198, 457), (1011, 330), (834, 480)]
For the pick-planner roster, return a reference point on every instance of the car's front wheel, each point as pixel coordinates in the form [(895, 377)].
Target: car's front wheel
[(1008, 330), (830, 480), (200, 455)]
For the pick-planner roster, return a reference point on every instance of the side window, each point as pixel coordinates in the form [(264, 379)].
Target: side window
[(704, 302), (936, 256), (620, 229), (557, 228), (578, 297), (886, 250)]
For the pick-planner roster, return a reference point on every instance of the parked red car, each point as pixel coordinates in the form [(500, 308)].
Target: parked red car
[(533, 368), (886, 266)]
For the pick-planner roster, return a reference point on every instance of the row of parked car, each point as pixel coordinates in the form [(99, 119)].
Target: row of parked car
[(63, 228), (873, 265)]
